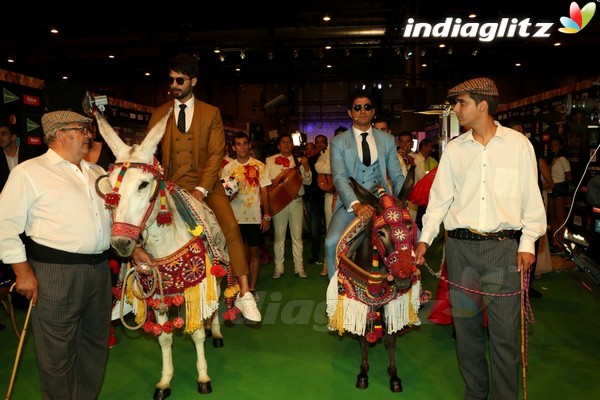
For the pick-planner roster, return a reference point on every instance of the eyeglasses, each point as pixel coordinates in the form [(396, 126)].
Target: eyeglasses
[(358, 107), (84, 130), (180, 80)]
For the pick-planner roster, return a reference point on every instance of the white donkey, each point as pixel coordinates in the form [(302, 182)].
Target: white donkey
[(183, 236)]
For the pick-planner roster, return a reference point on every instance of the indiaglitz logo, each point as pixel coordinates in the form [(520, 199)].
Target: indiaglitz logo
[(579, 17), (484, 32)]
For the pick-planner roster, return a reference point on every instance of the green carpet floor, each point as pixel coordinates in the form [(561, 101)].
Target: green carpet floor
[(291, 355)]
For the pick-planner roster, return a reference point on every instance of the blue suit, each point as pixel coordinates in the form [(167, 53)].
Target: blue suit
[(345, 163)]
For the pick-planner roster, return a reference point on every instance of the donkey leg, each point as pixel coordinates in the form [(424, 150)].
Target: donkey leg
[(362, 379), (390, 344), (204, 386), (163, 387), (215, 328)]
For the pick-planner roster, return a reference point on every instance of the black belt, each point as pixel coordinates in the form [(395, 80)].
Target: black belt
[(41, 253), (471, 234)]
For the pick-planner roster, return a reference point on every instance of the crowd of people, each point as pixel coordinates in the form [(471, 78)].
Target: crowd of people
[(486, 189)]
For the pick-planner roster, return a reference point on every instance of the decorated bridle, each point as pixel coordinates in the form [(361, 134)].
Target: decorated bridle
[(399, 262), (113, 198)]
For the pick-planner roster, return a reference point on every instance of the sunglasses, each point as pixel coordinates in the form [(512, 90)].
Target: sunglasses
[(180, 80), (358, 107)]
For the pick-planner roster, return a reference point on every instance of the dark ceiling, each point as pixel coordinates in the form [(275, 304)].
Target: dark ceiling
[(284, 42)]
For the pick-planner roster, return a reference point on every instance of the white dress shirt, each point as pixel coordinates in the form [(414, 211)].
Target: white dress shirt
[(56, 204), (370, 142), (487, 188)]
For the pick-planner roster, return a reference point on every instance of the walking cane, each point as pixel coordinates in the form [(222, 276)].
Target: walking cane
[(21, 341), (523, 358)]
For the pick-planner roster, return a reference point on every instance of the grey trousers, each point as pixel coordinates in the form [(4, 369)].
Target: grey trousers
[(488, 266), (71, 324)]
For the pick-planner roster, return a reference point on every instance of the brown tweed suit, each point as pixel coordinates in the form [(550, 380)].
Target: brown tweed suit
[(208, 146)]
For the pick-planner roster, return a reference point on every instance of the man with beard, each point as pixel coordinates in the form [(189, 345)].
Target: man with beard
[(193, 148)]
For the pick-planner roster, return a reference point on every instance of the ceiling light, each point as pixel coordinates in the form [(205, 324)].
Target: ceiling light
[(217, 50), (242, 54), (329, 66), (270, 55), (10, 60), (423, 52), (326, 18), (54, 31), (518, 64), (65, 77), (111, 56), (442, 45), (328, 47), (408, 54), (221, 57), (450, 50), (474, 52), (237, 69), (397, 51), (557, 44), (346, 52), (369, 53), (473, 15), (296, 53)]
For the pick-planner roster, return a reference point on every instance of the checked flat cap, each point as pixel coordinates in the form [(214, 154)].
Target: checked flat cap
[(55, 120), (482, 86)]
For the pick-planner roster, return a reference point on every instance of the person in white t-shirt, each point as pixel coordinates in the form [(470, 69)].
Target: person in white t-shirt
[(251, 203)]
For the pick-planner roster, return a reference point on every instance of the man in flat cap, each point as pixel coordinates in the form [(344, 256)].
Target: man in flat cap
[(486, 195), (64, 272)]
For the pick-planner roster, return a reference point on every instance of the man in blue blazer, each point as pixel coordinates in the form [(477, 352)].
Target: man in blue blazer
[(366, 154)]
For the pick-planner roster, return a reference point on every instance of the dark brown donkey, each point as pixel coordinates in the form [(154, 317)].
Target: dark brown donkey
[(376, 291)]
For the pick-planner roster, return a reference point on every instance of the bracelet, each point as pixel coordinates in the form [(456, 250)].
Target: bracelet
[(267, 217)]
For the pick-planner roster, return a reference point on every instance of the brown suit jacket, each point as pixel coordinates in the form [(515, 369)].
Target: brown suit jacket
[(208, 143)]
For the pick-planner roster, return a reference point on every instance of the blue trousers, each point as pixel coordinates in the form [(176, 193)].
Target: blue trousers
[(340, 219)]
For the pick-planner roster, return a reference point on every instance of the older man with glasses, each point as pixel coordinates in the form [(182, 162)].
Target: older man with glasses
[(64, 269)]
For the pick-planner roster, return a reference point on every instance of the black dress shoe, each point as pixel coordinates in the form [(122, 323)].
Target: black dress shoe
[(535, 293)]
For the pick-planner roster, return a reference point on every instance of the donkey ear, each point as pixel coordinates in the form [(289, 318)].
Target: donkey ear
[(111, 137), (407, 187), (149, 145), (364, 196)]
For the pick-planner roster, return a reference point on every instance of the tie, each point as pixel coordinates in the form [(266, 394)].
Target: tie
[(365, 150), (181, 118)]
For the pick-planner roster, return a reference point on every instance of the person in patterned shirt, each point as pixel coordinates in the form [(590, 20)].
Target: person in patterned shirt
[(251, 203)]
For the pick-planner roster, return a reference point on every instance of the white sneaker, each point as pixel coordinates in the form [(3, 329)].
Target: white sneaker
[(247, 305)]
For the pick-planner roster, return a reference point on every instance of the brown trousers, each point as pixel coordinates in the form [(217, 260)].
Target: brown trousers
[(219, 203)]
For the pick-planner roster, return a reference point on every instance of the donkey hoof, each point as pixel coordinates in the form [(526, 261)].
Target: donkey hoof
[(218, 342), (395, 385), (204, 387), (362, 381), (207, 332), (161, 394)]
